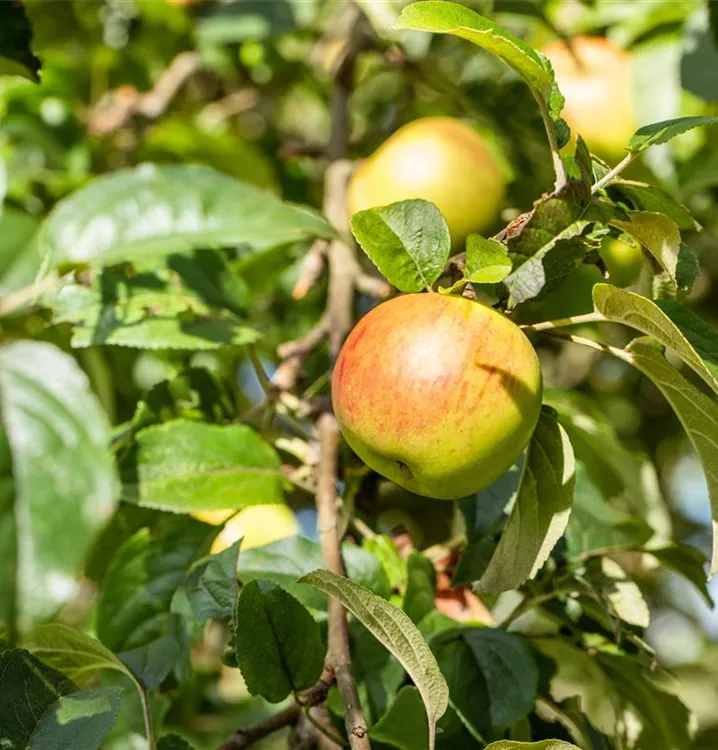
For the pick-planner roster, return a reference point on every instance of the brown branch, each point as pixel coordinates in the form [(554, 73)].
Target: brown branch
[(312, 268), (338, 655)]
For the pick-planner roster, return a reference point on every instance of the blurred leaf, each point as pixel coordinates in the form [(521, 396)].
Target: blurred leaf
[(688, 562), (245, 20), (72, 652), (63, 471), (713, 20), (492, 676), (452, 18), (542, 745), (79, 721), (155, 210), (541, 511), (698, 415), (278, 646), (408, 242), (404, 724), (643, 197), (660, 236), (19, 261), (288, 559), (152, 310), (139, 584), (16, 57), (173, 742), (383, 547), (597, 526), (185, 466), (391, 627), (420, 586), (483, 514), (212, 588), (153, 661), (662, 132), (691, 338), (29, 689)]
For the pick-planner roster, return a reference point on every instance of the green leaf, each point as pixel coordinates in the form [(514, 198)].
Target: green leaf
[(693, 340), (72, 652), (153, 661), (441, 17), (155, 210), (212, 588), (16, 57), (541, 511), (421, 583), (698, 415), (492, 676), (185, 466), (660, 236), (137, 590), (662, 132), (173, 742), (686, 561), (408, 242), (29, 688), (404, 724), (19, 261), (79, 721), (487, 262), (156, 310), (542, 745), (277, 642), (396, 632), (624, 597), (286, 560), (641, 196), (63, 470)]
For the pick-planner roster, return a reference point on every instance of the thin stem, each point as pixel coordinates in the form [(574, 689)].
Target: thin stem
[(244, 738), (529, 603), (612, 174), (259, 371), (559, 167), (591, 344), (27, 294), (146, 715), (548, 325), (322, 729), (568, 722)]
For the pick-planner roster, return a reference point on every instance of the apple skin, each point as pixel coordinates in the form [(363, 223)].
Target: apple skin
[(256, 525), (439, 159), (623, 261), (599, 103), (440, 394)]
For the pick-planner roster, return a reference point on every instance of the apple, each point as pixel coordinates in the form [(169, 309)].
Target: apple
[(256, 525), (439, 159), (596, 82), (623, 261), (574, 296), (438, 393)]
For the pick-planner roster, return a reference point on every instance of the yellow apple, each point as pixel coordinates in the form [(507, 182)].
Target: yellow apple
[(439, 159)]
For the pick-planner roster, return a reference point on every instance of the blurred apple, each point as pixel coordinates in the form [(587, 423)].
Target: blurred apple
[(623, 261), (439, 159), (595, 78)]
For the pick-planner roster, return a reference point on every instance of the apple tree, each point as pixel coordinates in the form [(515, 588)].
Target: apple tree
[(352, 353)]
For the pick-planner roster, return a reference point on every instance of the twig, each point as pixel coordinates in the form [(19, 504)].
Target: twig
[(258, 368), (338, 655), (146, 715), (612, 174), (312, 268), (548, 325), (559, 167), (233, 104), (27, 294), (591, 344)]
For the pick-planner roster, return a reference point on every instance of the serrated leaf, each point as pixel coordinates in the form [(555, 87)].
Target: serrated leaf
[(154, 210), (641, 196), (63, 471), (541, 511), (212, 589), (408, 242), (72, 652), (698, 415), (79, 721), (185, 466), (542, 745), (16, 56), (662, 132), (29, 688), (487, 261), (693, 340), (440, 17), (277, 642), (492, 676), (288, 559), (396, 632), (134, 603), (156, 309), (404, 724), (420, 586), (660, 236)]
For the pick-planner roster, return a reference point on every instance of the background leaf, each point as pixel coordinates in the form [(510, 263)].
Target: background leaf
[(212, 588), (662, 132), (404, 724), (16, 56)]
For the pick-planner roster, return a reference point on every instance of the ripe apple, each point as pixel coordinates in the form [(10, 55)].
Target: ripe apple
[(596, 82), (439, 159), (257, 525), (438, 393), (623, 261)]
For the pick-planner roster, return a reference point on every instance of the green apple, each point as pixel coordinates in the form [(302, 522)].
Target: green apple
[(623, 261), (440, 394), (574, 296), (439, 159)]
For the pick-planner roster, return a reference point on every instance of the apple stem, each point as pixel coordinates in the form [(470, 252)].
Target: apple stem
[(559, 167), (612, 174), (549, 325)]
